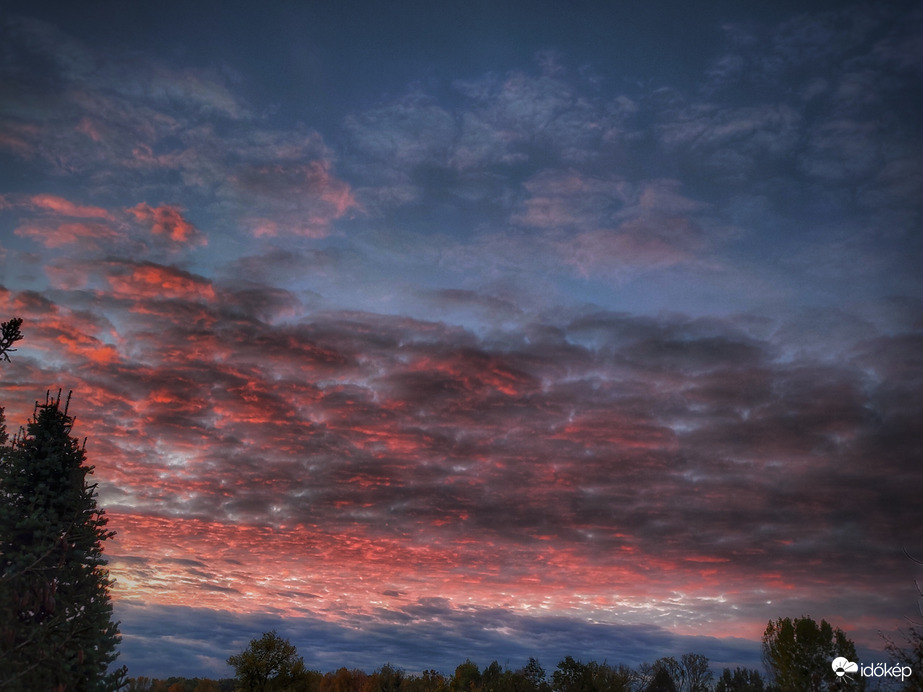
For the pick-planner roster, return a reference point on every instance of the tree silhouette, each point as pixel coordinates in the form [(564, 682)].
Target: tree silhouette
[(10, 333), (467, 677), (662, 682), (534, 675), (571, 676), (269, 662), (574, 676), (56, 628), (799, 653), (741, 680), (910, 653), (696, 675), (388, 679)]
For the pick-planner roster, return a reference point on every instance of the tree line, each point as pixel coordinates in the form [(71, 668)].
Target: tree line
[(797, 654), (689, 673)]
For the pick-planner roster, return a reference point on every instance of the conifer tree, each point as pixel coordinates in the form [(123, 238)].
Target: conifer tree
[(56, 628)]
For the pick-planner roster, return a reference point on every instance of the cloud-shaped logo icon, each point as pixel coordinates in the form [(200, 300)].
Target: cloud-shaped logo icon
[(842, 666)]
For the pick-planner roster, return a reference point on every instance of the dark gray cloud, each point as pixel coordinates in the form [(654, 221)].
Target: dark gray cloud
[(428, 635)]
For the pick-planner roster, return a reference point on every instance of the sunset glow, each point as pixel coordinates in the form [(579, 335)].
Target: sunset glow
[(594, 331)]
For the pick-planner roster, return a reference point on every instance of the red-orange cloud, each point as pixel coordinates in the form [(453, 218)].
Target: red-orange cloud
[(153, 281), (168, 221)]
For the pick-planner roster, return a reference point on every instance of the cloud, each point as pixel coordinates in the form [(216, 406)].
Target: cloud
[(668, 470), (734, 141), (609, 226), (139, 129), (201, 90), (566, 200), (318, 197), (168, 221), (529, 113), (143, 282), (415, 147), (63, 207), (635, 245), (58, 222), (410, 131), (75, 233)]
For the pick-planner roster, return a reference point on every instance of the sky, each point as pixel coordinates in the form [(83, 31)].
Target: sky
[(421, 332)]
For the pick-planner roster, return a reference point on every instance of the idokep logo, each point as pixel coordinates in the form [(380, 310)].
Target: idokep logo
[(843, 667)]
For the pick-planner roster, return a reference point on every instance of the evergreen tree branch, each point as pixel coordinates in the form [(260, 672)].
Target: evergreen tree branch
[(10, 333)]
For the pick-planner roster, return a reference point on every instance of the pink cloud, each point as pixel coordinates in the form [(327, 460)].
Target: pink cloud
[(168, 221), (317, 226), (87, 127), (20, 139), (636, 244), (64, 207), (95, 227), (318, 197), (330, 189), (298, 566), (265, 228), (569, 199), (59, 235)]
